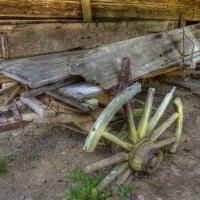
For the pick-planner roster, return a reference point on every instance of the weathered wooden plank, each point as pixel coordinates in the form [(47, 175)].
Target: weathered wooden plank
[(82, 106), (145, 9), (79, 91), (47, 88), (86, 10), (41, 8), (38, 107), (38, 71), (35, 39), (102, 9), (147, 54)]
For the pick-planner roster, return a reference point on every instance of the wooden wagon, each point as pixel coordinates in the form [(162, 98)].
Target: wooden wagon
[(86, 91)]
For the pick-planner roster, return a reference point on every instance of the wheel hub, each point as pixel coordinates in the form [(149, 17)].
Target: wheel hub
[(145, 157)]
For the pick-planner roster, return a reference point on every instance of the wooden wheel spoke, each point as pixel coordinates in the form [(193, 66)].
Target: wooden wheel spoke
[(133, 135), (117, 158), (117, 141), (124, 176), (179, 124), (165, 142), (142, 127), (159, 112), (116, 171), (158, 131)]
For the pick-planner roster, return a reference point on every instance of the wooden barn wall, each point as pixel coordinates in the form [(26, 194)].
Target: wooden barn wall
[(43, 38), (102, 9), (34, 27)]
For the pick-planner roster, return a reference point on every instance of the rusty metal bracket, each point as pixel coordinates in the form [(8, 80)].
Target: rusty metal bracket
[(11, 119), (15, 111), (125, 75)]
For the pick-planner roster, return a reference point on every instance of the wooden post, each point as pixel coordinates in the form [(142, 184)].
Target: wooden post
[(86, 10)]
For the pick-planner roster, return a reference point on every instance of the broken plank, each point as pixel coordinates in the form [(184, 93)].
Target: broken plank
[(41, 70), (82, 106), (38, 107), (26, 40), (79, 91), (147, 54), (48, 88)]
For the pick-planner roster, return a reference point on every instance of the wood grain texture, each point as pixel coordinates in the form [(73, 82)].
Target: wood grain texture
[(50, 87), (41, 8), (82, 106), (102, 9), (146, 9), (79, 91), (147, 54), (35, 39), (38, 107), (86, 10), (38, 71)]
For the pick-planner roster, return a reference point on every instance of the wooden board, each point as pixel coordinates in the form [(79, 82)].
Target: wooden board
[(38, 71), (145, 9), (82, 106), (34, 39), (79, 91), (148, 53), (102, 9), (41, 8)]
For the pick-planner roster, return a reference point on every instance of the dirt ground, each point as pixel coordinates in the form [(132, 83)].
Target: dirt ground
[(41, 157)]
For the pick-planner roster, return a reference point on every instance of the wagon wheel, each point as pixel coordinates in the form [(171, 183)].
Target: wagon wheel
[(140, 150), (9, 90)]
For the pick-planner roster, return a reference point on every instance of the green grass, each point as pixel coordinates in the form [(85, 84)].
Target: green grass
[(128, 190), (167, 155), (3, 164), (81, 187), (8, 137)]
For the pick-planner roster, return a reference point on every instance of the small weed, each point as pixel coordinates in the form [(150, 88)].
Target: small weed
[(104, 196), (8, 137), (34, 157), (82, 187), (3, 164), (167, 156), (128, 190)]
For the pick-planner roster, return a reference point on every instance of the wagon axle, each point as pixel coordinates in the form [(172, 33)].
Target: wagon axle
[(145, 157)]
